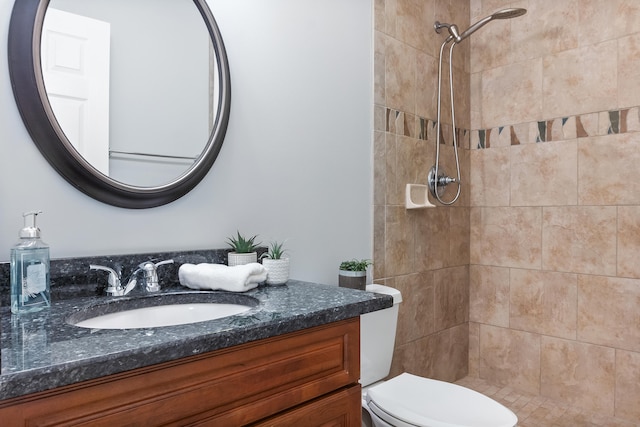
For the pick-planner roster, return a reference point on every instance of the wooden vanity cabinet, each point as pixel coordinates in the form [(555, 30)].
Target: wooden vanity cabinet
[(304, 378)]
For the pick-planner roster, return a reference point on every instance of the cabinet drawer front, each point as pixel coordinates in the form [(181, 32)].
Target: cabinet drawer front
[(340, 409), (251, 381)]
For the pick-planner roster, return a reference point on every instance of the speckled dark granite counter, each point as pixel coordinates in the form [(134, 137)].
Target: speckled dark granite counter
[(42, 351)]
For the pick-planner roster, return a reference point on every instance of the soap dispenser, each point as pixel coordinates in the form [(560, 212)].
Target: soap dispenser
[(29, 269)]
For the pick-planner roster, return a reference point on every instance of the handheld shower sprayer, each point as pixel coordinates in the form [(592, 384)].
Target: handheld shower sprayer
[(437, 179), (454, 32)]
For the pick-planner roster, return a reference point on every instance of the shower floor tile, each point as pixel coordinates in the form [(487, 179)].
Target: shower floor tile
[(538, 411)]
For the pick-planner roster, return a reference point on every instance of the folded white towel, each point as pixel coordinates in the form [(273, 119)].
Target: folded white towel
[(239, 278)]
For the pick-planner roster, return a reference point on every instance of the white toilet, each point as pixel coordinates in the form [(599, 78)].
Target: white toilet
[(409, 400)]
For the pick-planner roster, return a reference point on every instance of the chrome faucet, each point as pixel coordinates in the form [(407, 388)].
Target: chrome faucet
[(115, 287), (151, 274), (114, 281)]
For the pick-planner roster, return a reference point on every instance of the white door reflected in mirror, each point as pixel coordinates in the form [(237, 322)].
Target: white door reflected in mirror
[(75, 64), (143, 94)]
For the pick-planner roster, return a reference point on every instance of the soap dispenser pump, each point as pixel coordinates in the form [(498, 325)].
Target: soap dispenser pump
[(29, 269)]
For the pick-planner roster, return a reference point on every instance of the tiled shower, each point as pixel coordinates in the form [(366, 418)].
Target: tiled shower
[(532, 280)]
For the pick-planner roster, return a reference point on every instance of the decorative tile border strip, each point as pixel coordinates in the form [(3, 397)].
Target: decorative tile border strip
[(559, 129), (407, 124)]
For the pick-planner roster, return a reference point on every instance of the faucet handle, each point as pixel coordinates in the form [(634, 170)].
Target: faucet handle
[(166, 261), (151, 274), (115, 287)]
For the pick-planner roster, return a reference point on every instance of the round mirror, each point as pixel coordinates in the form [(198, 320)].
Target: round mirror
[(127, 99)]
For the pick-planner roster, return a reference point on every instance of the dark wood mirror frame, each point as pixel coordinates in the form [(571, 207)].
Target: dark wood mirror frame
[(28, 87)]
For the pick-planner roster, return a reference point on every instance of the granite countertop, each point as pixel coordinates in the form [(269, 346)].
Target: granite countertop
[(41, 351)]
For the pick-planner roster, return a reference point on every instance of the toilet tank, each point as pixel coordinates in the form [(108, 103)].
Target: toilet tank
[(377, 337)]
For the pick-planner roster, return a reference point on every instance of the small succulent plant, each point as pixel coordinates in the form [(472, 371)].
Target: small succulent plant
[(275, 251), (355, 265), (242, 245)]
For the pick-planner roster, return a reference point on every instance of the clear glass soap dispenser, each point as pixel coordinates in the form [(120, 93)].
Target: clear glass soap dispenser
[(30, 269)]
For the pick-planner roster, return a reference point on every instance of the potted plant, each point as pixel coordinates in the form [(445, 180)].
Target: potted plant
[(243, 250), (353, 274), (277, 267)]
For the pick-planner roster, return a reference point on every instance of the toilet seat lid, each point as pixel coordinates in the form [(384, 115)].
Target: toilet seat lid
[(426, 402)]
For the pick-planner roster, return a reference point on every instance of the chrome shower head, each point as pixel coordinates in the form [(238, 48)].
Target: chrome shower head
[(501, 14), (509, 13)]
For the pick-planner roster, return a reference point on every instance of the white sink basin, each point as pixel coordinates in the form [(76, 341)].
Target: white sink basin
[(163, 315), (161, 310)]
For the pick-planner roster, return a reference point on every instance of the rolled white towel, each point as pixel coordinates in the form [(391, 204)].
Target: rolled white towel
[(239, 278)]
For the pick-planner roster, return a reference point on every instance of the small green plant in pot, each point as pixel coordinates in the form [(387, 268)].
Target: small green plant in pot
[(353, 274), (243, 250), (276, 265)]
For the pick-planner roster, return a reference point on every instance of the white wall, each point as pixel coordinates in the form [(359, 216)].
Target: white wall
[(296, 163)]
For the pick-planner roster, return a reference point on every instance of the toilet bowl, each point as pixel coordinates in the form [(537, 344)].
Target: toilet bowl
[(409, 400)]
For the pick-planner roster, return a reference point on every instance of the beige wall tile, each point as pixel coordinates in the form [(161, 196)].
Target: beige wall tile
[(379, 15), (444, 355), (544, 174), (507, 237), (459, 224), (489, 177), (608, 311), (628, 64), (392, 195), (510, 357), (629, 241), (412, 162), (595, 22), (580, 374), (627, 385), (390, 18), (544, 302), (549, 26), (432, 238), (608, 172), (405, 359), (580, 80), (489, 295), (379, 168), (474, 349), (416, 313), (400, 76), (475, 95), (451, 288), (379, 118), (379, 70), (512, 94), (627, 20), (379, 238), (427, 84), (399, 244), (452, 365), (461, 90), (579, 239), (410, 18)]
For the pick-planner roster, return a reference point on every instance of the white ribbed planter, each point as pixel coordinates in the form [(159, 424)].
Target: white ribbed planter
[(277, 270), (235, 258)]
